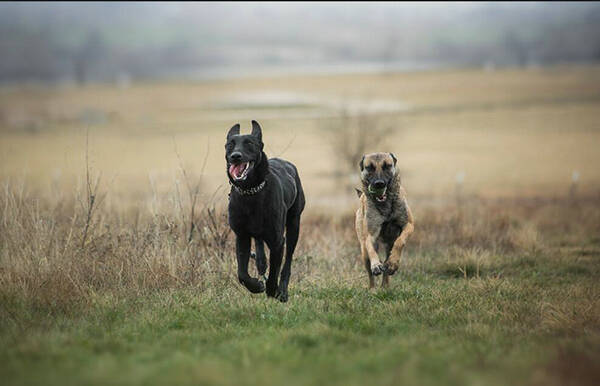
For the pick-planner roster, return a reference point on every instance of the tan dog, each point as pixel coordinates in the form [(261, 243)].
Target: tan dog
[(383, 221)]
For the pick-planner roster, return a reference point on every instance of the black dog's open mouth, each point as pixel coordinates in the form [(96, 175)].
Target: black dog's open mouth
[(239, 172)]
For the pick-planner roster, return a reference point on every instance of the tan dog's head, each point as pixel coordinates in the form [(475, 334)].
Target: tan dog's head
[(377, 172)]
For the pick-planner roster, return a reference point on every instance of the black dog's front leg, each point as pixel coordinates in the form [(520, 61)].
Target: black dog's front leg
[(242, 249)]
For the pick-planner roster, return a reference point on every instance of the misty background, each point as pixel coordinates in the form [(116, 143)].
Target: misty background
[(115, 42)]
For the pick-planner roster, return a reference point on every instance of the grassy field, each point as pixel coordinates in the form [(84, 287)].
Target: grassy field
[(499, 283)]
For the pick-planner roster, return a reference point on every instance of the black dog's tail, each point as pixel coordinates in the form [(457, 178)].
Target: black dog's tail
[(358, 192)]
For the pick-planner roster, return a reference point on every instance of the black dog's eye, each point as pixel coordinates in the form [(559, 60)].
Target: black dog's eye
[(229, 145)]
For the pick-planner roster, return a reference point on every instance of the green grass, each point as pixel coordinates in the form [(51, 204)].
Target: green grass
[(509, 325)]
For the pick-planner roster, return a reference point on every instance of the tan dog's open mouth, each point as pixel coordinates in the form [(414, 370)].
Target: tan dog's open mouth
[(380, 195)]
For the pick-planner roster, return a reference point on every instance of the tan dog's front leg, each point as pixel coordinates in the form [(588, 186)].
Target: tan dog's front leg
[(391, 266), (376, 266), (365, 258)]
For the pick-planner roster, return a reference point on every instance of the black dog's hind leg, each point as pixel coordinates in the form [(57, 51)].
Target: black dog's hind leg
[(291, 234), (292, 231), (275, 258), (242, 249), (261, 259)]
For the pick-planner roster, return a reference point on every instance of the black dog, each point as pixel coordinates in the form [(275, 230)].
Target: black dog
[(266, 197)]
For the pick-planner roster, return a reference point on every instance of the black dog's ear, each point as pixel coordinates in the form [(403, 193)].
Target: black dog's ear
[(362, 163), (394, 158), (256, 130), (235, 130)]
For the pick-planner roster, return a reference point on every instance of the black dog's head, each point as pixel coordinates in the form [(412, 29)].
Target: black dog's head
[(243, 152), (377, 172)]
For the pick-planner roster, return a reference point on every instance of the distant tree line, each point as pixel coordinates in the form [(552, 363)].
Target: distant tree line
[(84, 42)]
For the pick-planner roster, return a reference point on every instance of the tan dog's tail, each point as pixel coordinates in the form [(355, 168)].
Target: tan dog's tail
[(358, 192)]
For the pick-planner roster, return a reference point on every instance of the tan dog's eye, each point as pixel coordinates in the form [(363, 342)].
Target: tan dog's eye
[(385, 166), (370, 168)]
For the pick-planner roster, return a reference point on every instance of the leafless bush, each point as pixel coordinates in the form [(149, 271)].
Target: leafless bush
[(354, 135), (192, 189), (215, 231), (92, 199)]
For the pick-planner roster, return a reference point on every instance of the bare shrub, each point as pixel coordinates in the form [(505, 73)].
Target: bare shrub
[(192, 189), (92, 199), (215, 231), (351, 136)]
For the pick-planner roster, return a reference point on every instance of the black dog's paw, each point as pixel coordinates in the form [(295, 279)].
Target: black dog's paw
[(261, 287), (390, 267), (377, 269), (271, 290), (253, 285), (282, 296), (277, 293)]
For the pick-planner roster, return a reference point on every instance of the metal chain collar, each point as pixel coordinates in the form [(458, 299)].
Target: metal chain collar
[(248, 192)]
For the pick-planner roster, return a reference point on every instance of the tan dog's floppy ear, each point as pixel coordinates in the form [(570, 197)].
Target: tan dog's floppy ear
[(358, 192), (394, 158), (256, 130), (235, 130), (362, 163)]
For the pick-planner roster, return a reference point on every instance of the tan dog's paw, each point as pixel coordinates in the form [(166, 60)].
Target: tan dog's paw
[(377, 269), (390, 267)]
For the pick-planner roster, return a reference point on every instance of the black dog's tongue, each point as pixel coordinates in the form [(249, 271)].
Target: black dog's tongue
[(236, 170)]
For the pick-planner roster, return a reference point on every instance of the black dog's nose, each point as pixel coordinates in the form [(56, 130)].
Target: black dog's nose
[(236, 156), (379, 184)]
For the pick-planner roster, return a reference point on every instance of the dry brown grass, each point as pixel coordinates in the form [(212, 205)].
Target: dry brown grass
[(44, 257)]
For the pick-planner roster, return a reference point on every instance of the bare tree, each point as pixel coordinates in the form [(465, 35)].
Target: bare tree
[(352, 136)]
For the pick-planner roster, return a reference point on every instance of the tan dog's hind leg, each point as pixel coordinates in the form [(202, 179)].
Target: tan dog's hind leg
[(385, 281), (391, 266)]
